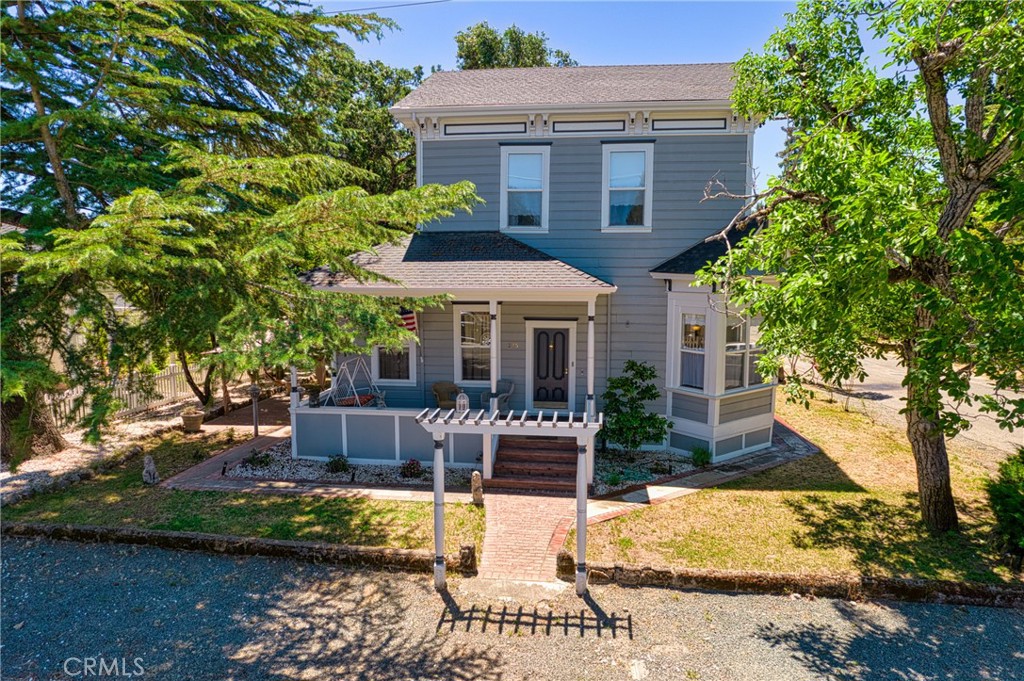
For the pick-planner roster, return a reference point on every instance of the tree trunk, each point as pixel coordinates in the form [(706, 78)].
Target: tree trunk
[(27, 428), (928, 443), (202, 394), (224, 391), (321, 373)]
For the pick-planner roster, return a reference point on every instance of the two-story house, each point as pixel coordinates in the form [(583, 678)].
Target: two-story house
[(580, 258)]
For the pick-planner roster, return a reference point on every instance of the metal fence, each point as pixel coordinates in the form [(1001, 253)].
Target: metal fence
[(168, 386)]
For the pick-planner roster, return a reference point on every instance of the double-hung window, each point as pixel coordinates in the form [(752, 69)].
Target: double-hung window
[(741, 354), (394, 366), (691, 351), (472, 344), (524, 187), (626, 185)]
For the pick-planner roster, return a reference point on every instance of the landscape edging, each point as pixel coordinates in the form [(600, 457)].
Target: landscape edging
[(406, 560), (853, 587)]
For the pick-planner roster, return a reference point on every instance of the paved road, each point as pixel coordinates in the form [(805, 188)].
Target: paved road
[(882, 394), (196, 616)]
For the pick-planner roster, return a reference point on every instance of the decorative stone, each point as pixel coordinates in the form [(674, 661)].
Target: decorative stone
[(477, 487), (149, 474), (467, 560)]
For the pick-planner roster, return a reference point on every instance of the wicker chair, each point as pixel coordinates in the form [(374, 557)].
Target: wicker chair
[(445, 393), (505, 390)]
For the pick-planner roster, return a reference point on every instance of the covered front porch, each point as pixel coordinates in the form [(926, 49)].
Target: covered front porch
[(522, 335)]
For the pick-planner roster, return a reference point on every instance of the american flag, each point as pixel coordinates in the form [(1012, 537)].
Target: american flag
[(408, 319)]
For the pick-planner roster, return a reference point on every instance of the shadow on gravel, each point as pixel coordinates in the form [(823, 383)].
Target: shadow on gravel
[(882, 643), (519, 621)]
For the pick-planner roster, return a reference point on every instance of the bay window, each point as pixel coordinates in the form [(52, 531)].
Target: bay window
[(691, 351), (741, 354)]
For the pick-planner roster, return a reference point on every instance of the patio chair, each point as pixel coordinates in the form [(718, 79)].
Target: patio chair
[(505, 390), (445, 393)]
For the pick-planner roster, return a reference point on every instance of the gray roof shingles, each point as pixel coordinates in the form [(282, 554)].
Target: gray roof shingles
[(461, 260), (572, 85), (700, 254)]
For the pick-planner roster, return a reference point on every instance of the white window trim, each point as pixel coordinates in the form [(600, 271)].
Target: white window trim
[(606, 155), (545, 152), (457, 311), (677, 309), (375, 367), (748, 348)]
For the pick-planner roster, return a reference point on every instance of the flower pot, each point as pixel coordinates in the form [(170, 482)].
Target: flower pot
[(192, 423)]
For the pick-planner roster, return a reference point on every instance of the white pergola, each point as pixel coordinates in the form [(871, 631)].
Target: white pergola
[(439, 422)]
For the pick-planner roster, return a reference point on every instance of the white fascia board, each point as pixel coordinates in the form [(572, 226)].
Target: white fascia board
[(408, 116), (512, 295)]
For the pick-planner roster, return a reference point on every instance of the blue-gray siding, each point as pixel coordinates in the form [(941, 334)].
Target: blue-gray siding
[(745, 405), (690, 407), (682, 167)]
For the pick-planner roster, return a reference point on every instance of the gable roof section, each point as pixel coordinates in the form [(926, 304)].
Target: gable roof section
[(700, 254), (449, 261), (577, 85)]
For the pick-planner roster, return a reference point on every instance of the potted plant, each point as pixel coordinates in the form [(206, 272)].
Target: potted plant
[(192, 419), (312, 389)]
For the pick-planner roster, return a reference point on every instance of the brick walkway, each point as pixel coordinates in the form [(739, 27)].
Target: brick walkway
[(523, 536)]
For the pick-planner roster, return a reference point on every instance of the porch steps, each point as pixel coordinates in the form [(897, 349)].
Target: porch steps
[(538, 463)]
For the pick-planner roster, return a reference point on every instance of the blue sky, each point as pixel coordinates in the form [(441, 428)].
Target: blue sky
[(593, 33)]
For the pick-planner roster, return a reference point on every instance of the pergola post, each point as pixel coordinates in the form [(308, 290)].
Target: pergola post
[(591, 405), (488, 445), (439, 568), (294, 404), (581, 514)]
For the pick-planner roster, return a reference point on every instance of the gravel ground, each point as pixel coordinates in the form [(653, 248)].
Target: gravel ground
[(281, 466), (197, 616), (616, 470)]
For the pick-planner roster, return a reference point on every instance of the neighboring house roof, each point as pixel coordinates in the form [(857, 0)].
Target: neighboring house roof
[(446, 261), (7, 228), (579, 85), (703, 252)]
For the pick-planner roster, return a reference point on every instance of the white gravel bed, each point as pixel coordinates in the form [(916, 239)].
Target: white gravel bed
[(615, 470), (277, 464)]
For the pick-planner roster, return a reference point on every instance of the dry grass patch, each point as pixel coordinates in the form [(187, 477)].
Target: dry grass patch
[(119, 499), (850, 510)]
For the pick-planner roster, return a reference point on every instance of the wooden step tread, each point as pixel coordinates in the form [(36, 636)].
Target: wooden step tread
[(566, 470), (550, 444), (524, 482), (509, 454)]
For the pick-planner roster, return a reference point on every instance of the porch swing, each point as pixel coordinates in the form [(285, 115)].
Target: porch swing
[(353, 386)]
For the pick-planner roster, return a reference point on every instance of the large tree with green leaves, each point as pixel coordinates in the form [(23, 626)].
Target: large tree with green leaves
[(169, 153), (482, 46), (895, 225)]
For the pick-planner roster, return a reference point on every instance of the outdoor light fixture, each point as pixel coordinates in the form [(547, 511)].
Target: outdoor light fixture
[(462, 402)]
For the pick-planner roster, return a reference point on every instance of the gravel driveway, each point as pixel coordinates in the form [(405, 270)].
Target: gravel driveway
[(197, 616)]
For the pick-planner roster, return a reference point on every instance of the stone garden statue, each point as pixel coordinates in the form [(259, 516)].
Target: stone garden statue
[(149, 474)]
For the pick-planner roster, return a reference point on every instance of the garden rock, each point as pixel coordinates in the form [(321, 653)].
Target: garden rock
[(477, 488), (149, 474)]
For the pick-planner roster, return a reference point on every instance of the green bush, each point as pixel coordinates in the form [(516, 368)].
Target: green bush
[(412, 469), (701, 456), (338, 464), (613, 479), (1006, 495), (259, 459), (626, 419)]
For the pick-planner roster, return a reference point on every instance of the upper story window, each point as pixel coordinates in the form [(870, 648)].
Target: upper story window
[(741, 354), (394, 367), (626, 185), (524, 187)]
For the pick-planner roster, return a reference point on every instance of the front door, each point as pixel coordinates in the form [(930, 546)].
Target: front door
[(552, 368)]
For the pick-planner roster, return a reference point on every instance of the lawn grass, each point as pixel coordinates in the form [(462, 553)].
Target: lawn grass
[(851, 509), (118, 498)]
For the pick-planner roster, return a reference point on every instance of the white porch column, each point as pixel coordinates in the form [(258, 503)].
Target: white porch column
[(591, 404), (488, 456), (581, 514), (294, 404), (439, 576)]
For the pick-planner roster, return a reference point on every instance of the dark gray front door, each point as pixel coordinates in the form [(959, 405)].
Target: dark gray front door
[(551, 368)]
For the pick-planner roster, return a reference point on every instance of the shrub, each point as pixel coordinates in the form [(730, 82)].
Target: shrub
[(613, 479), (701, 456), (626, 419), (1006, 495), (412, 469), (338, 464), (259, 459)]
